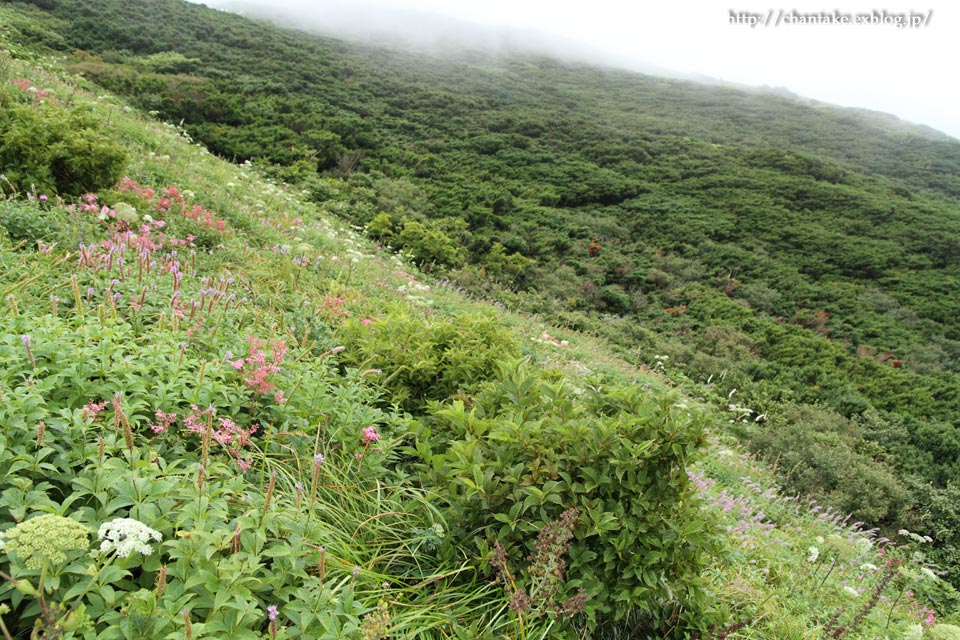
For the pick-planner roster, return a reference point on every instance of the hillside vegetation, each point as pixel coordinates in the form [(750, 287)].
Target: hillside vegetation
[(795, 254), (226, 414)]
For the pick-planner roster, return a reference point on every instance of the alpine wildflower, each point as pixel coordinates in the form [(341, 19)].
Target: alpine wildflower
[(369, 435), (45, 538), (126, 535)]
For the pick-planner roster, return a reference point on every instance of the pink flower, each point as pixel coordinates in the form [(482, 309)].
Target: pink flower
[(164, 421), (369, 435), (244, 464), (237, 364), (368, 321), (93, 409), (194, 422)]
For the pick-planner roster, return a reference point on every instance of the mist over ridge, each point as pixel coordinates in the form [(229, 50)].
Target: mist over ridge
[(440, 33)]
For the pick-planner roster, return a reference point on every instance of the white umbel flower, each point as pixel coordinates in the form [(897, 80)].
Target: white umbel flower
[(126, 535)]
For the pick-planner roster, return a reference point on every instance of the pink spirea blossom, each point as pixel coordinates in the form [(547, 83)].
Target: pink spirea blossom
[(256, 367), (231, 434), (92, 410), (195, 421), (369, 435), (164, 421)]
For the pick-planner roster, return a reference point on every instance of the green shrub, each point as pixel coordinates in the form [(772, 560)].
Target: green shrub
[(944, 632), (23, 221), (49, 148), (32, 223), (426, 357), (531, 449), (817, 452)]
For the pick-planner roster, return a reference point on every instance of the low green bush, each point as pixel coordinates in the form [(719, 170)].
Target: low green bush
[(531, 449), (822, 454), (426, 356), (49, 147)]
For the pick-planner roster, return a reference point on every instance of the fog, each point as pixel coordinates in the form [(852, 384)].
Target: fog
[(851, 61)]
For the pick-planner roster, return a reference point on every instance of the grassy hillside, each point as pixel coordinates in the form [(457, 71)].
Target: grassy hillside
[(313, 438), (795, 254)]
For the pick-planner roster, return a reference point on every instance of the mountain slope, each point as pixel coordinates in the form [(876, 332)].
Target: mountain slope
[(437, 377), (799, 254)]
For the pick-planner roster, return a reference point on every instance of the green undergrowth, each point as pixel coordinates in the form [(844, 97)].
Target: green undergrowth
[(226, 414)]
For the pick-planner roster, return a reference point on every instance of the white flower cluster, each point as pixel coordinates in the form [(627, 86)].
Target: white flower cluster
[(126, 535)]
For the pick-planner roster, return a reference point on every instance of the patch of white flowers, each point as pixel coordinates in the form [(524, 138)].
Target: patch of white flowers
[(927, 572), (851, 593), (126, 535)]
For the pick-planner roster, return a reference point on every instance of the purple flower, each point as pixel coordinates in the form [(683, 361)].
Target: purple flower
[(25, 339), (272, 612), (43, 198)]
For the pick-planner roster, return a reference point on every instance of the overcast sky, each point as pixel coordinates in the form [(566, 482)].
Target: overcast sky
[(908, 71)]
